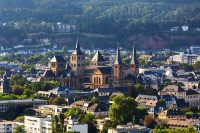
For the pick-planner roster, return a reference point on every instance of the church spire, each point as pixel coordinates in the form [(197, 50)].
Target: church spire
[(77, 44), (134, 57), (78, 48), (118, 59)]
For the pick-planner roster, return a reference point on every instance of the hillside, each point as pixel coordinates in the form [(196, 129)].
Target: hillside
[(123, 19), (138, 10)]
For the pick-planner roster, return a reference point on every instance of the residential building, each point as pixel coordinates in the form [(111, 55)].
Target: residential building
[(74, 126), (184, 123), (5, 104), (193, 98), (99, 110), (174, 90), (35, 124), (130, 129), (112, 90), (7, 126), (149, 102), (171, 114), (45, 110)]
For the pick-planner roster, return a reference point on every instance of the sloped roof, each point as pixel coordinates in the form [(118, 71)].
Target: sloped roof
[(58, 89), (130, 77), (191, 92), (173, 88), (89, 71), (181, 103), (105, 70), (48, 73), (174, 112), (96, 107), (57, 58), (113, 90), (98, 57)]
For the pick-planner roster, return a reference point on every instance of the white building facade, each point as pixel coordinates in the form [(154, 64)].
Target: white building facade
[(35, 124)]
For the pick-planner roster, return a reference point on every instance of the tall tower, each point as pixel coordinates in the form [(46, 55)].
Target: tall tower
[(57, 65), (77, 60), (97, 60), (118, 66), (134, 65)]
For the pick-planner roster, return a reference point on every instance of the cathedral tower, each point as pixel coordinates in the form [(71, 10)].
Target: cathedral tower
[(77, 60), (118, 67), (134, 65), (57, 65), (97, 60)]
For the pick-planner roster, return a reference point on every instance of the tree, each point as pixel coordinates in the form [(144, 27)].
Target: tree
[(57, 101), (181, 130), (136, 90), (18, 80), (149, 122), (56, 120), (94, 100), (108, 124), (73, 111), (61, 121), (140, 114), (196, 66), (17, 90), (20, 119), (19, 129), (123, 109), (29, 112), (90, 119)]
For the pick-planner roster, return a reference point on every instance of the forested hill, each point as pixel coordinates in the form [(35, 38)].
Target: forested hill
[(137, 10), (121, 18)]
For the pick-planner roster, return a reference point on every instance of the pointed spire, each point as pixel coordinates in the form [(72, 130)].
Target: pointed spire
[(118, 59), (134, 57), (98, 57), (78, 48), (78, 44)]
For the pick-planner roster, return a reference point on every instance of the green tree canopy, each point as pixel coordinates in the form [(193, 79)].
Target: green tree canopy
[(19, 129), (123, 109)]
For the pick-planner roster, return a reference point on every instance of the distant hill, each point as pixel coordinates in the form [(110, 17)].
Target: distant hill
[(129, 10), (123, 19)]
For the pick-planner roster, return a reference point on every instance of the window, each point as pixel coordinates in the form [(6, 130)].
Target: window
[(53, 65)]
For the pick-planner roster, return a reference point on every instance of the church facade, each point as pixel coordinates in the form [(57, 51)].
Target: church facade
[(97, 75)]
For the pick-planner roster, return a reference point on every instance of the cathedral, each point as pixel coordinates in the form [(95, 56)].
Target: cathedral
[(98, 74)]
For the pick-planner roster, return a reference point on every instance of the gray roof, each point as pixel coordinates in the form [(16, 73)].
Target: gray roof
[(191, 92), (98, 57), (49, 73), (118, 59), (22, 101), (130, 77), (57, 58), (89, 71), (67, 73), (170, 88), (105, 70)]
